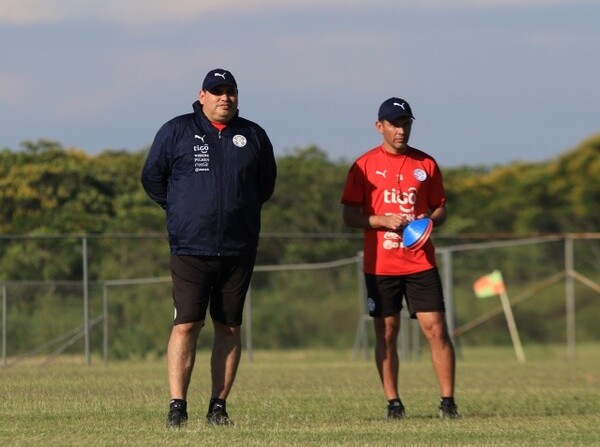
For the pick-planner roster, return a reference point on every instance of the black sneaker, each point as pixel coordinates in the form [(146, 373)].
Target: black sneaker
[(396, 411), (177, 416), (449, 410), (218, 416)]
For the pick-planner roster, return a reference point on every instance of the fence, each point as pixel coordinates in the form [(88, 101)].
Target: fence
[(459, 265)]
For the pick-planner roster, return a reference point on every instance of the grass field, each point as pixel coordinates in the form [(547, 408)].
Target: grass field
[(309, 398)]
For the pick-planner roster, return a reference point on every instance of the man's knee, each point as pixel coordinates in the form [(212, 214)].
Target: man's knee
[(434, 327), (387, 330), (224, 330), (188, 329)]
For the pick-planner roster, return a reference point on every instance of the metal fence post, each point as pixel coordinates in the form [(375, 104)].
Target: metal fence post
[(4, 297), (448, 284), (105, 322), (570, 297), (86, 309), (361, 339)]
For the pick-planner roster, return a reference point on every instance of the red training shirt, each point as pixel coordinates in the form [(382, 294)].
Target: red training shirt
[(382, 183)]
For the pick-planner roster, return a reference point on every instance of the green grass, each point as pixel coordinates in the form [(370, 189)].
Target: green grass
[(309, 398)]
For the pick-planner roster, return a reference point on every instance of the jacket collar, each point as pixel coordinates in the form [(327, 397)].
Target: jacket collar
[(199, 113)]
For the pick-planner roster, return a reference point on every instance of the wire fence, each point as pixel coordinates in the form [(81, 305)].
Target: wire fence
[(541, 268)]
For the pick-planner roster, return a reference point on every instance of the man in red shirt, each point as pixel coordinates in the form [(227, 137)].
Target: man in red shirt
[(386, 188)]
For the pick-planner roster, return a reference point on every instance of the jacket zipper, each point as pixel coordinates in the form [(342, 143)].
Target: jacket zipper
[(220, 213)]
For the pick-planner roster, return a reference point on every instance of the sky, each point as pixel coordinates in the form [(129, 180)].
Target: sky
[(489, 81)]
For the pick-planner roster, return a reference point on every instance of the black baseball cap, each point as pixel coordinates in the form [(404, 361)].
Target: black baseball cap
[(217, 77), (394, 108)]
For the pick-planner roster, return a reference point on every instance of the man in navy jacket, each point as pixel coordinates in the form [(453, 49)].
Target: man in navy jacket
[(211, 170)]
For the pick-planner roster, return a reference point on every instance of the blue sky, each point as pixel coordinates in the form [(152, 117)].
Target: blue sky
[(490, 82)]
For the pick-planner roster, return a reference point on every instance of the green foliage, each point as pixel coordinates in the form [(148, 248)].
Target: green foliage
[(37, 316), (294, 313), (47, 190), (552, 197), (306, 200), (139, 320)]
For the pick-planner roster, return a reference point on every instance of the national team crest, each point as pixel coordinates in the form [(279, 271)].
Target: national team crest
[(239, 140), (420, 175), (370, 304)]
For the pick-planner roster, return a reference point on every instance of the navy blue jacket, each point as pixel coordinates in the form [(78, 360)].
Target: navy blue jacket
[(212, 184)]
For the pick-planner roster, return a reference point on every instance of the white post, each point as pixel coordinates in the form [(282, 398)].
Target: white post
[(512, 327)]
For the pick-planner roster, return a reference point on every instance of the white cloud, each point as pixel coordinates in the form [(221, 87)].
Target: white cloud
[(488, 4), (24, 12), (21, 12)]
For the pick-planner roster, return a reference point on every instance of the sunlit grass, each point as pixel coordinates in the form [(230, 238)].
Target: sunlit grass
[(308, 398)]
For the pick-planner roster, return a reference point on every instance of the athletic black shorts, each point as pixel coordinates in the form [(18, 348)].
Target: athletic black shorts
[(422, 292), (215, 281)]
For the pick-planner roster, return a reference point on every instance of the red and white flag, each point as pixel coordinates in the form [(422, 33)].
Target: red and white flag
[(489, 285)]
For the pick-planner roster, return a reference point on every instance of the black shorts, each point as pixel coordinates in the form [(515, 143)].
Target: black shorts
[(218, 282), (422, 291)]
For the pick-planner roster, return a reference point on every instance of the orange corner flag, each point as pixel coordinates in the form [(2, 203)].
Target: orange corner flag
[(489, 285)]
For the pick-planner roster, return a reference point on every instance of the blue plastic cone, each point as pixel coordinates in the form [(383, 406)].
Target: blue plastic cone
[(416, 233)]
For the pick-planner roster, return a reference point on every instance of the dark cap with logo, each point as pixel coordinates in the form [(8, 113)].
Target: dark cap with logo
[(394, 108), (217, 77)]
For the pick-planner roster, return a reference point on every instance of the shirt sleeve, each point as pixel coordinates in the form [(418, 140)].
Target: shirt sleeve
[(267, 166), (157, 167), (437, 196), (353, 193)]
